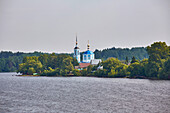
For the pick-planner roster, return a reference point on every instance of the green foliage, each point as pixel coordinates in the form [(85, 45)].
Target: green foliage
[(153, 69), (51, 72), (31, 64), (76, 72), (165, 71), (84, 72), (31, 70), (135, 69), (112, 73), (134, 60), (67, 64), (121, 70), (100, 73), (158, 53), (139, 52), (9, 62), (75, 62), (89, 69), (111, 62), (157, 66), (44, 60), (115, 68), (127, 60), (160, 49), (143, 65), (49, 65)]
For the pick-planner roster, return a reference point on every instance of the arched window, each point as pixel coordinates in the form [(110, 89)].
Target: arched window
[(89, 57), (84, 57), (75, 52)]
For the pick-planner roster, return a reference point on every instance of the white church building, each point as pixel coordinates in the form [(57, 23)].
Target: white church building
[(88, 57)]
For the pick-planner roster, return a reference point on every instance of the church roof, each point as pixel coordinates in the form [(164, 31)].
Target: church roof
[(84, 65), (88, 52)]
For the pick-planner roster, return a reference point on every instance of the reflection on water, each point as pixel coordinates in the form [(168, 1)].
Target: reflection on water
[(82, 94)]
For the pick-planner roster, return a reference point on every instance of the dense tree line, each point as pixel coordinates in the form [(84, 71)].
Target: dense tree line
[(157, 66), (48, 65), (139, 53), (9, 61)]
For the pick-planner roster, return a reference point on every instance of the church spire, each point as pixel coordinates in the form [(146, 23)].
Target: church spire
[(76, 40), (77, 51), (88, 45)]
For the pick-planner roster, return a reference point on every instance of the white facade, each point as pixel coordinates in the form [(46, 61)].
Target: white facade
[(77, 54), (96, 61), (88, 56)]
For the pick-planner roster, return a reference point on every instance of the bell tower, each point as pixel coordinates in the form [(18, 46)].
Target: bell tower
[(77, 51)]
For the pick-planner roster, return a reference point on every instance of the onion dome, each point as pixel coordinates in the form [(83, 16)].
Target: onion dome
[(76, 48), (88, 52)]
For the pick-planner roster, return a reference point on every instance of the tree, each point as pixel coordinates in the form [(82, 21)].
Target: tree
[(30, 64), (84, 72), (23, 68), (67, 64), (143, 65), (158, 53), (76, 72), (134, 60), (101, 73), (31, 70), (44, 60), (89, 69), (75, 62), (121, 53), (159, 48), (134, 69), (121, 70), (112, 73), (126, 61), (165, 71), (153, 69), (111, 62)]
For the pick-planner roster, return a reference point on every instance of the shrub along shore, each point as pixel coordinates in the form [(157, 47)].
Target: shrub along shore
[(157, 66)]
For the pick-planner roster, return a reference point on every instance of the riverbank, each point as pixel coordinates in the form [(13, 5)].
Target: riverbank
[(28, 75), (139, 77)]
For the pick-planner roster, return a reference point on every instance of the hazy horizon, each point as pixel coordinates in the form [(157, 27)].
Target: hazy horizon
[(51, 26)]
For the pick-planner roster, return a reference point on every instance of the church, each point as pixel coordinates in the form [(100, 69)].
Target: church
[(88, 57)]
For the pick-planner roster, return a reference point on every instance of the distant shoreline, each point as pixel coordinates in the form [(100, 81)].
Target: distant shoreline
[(142, 77)]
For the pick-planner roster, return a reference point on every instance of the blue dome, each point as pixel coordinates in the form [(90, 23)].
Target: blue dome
[(88, 52)]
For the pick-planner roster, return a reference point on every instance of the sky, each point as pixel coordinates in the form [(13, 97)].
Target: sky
[(52, 25)]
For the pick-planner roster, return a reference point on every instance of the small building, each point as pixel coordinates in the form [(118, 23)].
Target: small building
[(95, 62)]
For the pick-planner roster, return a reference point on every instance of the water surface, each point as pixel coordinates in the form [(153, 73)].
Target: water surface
[(82, 95)]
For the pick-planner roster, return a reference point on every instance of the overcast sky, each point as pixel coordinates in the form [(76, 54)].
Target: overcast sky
[(51, 25)]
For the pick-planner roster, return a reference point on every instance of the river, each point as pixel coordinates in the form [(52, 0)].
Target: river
[(82, 95)]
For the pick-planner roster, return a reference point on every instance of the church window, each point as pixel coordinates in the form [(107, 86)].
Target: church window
[(84, 57), (89, 57), (75, 52)]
